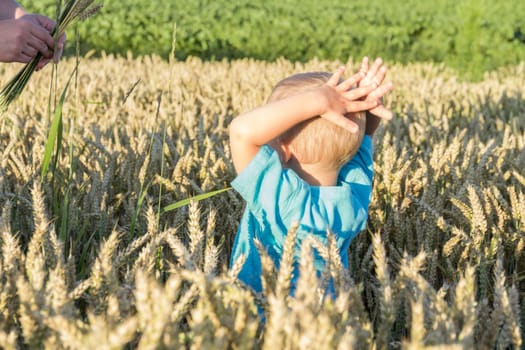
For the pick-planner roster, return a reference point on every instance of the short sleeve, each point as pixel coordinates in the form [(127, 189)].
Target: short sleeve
[(266, 186)]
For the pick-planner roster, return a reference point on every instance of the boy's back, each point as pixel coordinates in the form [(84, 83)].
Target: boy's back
[(277, 197)]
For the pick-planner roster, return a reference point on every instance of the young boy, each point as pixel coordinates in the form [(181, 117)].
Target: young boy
[(306, 157)]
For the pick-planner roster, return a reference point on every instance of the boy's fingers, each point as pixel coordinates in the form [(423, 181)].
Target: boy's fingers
[(360, 92), (380, 76), (364, 65), (382, 112), (372, 72), (380, 91), (348, 83), (375, 66), (346, 123), (334, 79), (360, 106)]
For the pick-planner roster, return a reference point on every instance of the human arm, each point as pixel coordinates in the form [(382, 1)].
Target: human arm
[(10, 9), (332, 101), (24, 35)]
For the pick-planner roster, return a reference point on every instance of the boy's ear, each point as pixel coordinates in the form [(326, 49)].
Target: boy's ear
[(286, 152)]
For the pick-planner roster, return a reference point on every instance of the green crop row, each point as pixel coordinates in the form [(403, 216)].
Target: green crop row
[(470, 35)]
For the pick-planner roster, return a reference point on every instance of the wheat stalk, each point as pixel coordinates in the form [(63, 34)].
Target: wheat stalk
[(442, 187)]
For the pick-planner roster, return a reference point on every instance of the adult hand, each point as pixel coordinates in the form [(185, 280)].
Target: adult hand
[(22, 38), (49, 25)]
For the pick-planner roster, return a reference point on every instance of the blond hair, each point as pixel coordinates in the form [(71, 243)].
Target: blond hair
[(317, 140)]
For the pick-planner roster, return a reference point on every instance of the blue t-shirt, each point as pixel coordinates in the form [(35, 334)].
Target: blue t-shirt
[(277, 197)]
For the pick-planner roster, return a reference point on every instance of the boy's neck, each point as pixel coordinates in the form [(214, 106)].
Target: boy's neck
[(314, 174)]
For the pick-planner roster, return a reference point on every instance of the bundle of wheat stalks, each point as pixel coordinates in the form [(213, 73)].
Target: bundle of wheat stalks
[(68, 13), (89, 260)]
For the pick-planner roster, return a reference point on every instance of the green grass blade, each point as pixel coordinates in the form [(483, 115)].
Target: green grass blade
[(55, 133), (16, 85), (161, 167), (143, 193), (194, 198)]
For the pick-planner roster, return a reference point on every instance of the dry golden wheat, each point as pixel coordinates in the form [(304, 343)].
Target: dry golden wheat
[(88, 258)]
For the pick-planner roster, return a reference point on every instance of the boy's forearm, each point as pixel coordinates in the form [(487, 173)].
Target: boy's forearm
[(263, 124), (251, 130)]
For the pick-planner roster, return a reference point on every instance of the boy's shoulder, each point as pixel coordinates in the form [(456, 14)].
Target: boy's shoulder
[(265, 163)]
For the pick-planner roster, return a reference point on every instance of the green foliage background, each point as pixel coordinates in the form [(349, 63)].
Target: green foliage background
[(472, 36)]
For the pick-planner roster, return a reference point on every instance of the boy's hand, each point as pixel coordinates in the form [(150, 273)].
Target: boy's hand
[(342, 100), (375, 75)]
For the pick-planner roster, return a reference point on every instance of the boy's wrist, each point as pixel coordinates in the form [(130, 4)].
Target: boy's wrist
[(321, 99)]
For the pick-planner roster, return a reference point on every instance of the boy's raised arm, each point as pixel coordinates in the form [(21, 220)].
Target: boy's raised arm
[(251, 130)]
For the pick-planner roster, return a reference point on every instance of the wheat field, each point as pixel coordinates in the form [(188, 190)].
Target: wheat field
[(89, 258)]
